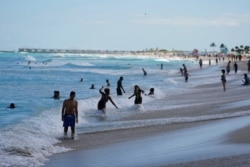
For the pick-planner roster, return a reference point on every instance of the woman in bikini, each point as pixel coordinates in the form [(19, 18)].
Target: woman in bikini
[(104, 99), (137, 94)]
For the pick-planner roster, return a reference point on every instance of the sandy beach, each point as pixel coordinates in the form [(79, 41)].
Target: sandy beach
[(180, 144)]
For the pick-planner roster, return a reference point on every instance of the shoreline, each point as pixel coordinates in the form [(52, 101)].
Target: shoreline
[(85, 141), (214, 105), (89, 142)]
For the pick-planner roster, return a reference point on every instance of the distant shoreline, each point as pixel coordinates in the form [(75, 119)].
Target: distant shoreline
[(121, 52), (7, 51)]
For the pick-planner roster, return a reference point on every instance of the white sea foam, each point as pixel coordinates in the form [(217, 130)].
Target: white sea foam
[(35, 126), (31, 141), (30, 58)]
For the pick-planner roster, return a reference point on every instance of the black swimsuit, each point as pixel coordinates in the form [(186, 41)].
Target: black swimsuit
[(102, 102)]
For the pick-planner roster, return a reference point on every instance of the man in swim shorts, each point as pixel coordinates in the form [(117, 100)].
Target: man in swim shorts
[(70, 114), (120, 88)]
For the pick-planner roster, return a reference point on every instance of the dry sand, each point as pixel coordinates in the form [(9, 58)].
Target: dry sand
[(207, 99)]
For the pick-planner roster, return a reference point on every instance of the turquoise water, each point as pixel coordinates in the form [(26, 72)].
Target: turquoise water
[(29, 80), (31, 86)]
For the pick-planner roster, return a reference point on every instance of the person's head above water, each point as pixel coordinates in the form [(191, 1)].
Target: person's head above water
[(12, 105)]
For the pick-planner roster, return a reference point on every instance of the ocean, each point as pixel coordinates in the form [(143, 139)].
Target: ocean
[(29, 132)]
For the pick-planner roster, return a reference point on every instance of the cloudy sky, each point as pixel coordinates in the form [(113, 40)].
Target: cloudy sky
[(124, 24)]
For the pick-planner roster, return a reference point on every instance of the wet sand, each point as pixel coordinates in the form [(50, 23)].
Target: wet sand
[(207, 142)]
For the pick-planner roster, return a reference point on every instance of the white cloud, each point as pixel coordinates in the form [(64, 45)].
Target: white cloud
[(227, 19)]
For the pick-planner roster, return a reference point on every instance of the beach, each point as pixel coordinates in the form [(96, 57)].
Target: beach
[(222, 123)]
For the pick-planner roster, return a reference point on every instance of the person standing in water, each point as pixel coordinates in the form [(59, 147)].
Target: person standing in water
[(184, 67), (104, 99), (248, 65), (200, 63), (181, 71), (223, 79), (137, 94), (120, 88), (186, 75), (235, 67), (228, 67), (144, 72), (70, 114), (108, 84)]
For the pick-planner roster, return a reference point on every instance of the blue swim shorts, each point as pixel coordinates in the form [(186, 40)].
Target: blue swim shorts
[(69, 120)]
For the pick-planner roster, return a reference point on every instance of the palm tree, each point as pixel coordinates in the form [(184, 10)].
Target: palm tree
[(237, 50), (241, 49), (213, 46), (223, 48), (246, 49)]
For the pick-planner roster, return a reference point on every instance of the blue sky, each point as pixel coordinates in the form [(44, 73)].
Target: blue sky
[(124, 24)]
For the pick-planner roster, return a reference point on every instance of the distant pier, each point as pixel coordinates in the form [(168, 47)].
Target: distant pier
[(156, 52), (74, 51)]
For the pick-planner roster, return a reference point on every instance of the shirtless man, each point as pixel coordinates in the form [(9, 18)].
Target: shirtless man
[(70, 114), (119, 87)]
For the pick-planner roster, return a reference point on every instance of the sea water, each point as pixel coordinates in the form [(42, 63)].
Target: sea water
[(29, 132)]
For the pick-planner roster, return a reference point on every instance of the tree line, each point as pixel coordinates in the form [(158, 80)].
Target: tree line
[(237, 49)]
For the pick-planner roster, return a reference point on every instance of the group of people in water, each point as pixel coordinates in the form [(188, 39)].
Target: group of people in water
[(184, 72), (70, 109), (69, 113), (105, 95), (70, 106)]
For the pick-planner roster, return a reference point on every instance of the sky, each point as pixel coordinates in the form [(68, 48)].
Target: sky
[(124, 24)]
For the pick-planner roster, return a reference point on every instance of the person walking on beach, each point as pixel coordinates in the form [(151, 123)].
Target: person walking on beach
[(137, 94), (104, 99), (235, 67), (120, 88), (223, 79), (70, 114), (200, 63)]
